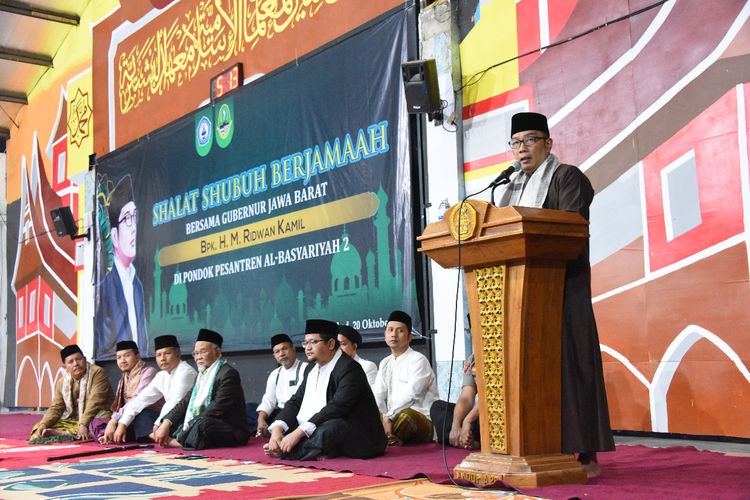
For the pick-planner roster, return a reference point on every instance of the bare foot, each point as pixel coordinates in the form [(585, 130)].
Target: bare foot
[(268, 452), (173, 443), (590, 464), (593, 469), (52, 432)]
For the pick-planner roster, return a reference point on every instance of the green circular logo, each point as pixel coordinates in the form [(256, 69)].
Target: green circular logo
[(224, 123)]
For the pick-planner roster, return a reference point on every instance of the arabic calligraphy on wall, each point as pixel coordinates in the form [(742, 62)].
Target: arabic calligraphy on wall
[(211, 33)]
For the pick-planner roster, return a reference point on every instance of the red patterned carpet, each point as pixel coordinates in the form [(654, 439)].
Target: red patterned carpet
[(630, 472), (402, 462), (25, 473)]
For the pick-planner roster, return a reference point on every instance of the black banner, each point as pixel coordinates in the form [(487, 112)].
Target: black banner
[(288, 199)]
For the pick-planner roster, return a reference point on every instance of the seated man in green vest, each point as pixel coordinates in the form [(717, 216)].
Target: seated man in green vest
[(82, 394)]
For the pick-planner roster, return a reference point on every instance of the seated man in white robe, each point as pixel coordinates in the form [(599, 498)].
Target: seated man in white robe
[(405, 387), (333, 413), (282, 382), (350, 340), (171, 384)]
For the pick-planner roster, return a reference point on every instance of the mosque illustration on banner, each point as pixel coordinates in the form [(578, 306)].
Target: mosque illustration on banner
[(239, 316)]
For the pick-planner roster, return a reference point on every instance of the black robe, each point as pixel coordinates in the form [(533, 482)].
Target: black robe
[(222, 423), (585, 415), (348, 425)]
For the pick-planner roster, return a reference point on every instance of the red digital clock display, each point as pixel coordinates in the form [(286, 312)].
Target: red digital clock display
[(226, 81)]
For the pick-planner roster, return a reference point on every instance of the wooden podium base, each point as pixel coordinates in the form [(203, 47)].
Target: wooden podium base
[(522, 472)]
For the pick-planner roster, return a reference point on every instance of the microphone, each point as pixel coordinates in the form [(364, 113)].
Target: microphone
[(504, 176)]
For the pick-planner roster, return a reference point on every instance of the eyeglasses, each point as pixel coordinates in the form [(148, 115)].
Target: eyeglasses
[(129, 218), (311, 343), (527, 141), (202, 352)]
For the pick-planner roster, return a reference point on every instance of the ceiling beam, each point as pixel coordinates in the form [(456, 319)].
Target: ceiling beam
[(25, 57), (4, 133), (14, 97), (23, 9)]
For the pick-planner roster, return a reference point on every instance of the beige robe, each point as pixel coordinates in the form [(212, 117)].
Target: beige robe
[(99, 398)]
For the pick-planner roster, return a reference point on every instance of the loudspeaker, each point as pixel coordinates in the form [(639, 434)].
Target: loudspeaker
[(421, 86), (64, 223)]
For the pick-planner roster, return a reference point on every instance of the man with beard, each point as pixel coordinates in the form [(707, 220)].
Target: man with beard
[(170, 385), (135, 377), (212, 414), (333, 413)]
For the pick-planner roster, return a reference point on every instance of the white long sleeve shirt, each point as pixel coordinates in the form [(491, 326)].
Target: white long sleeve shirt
[(405, 382), (370, 368), (281, 385), (315, 397), (172, 387)]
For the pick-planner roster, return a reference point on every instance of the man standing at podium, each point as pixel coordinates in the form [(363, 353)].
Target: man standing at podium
[(544, 182)]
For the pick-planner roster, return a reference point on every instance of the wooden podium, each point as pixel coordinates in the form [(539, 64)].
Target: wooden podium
[(514, 260)]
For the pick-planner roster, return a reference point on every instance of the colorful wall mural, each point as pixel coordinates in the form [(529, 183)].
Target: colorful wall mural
[(654, 109), (46, 166)]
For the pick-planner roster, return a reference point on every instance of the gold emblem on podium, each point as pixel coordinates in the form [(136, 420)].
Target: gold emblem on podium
[(463, 221)]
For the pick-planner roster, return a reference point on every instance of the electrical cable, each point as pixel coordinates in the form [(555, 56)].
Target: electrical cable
[(453, 341), (442, 121), (37, 235), (476, 77)]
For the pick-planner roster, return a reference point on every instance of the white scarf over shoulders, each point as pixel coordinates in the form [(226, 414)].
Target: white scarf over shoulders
[(530, 190), (315, 397)]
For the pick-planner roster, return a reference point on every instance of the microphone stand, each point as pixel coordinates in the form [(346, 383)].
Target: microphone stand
[(494, 185)]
